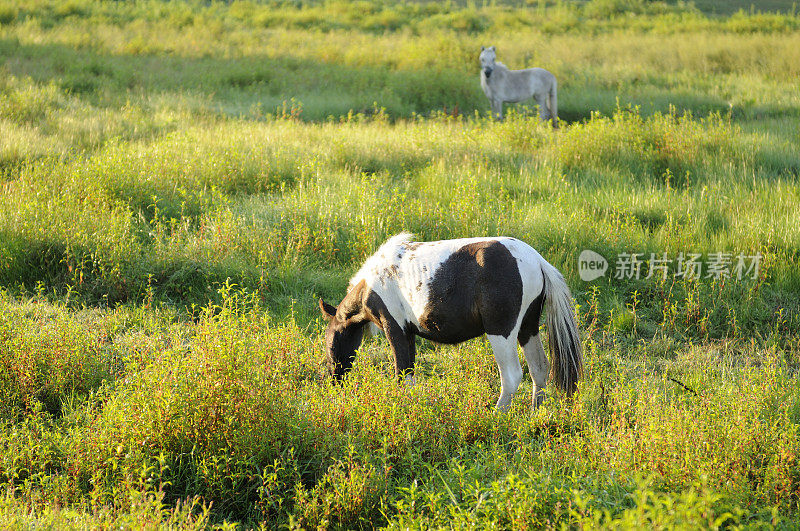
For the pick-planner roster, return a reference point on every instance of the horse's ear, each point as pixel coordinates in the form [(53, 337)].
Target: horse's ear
[(483, 48), (492, 48), (328, 311)]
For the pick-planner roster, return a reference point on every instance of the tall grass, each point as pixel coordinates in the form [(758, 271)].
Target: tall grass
[(260, 202), (212, 412)]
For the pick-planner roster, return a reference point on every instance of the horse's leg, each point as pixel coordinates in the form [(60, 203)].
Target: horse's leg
[(411, 379), (497, 109), (505, 353), (404, 349), (541, 101), (553, 99), (538, 366)]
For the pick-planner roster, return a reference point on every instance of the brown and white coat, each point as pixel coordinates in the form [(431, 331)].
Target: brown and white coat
[(450, 291)]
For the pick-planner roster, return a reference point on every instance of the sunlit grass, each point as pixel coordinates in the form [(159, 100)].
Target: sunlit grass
[(234, 408)]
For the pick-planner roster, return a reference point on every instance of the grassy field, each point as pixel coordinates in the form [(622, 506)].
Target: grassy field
[(181, 181)]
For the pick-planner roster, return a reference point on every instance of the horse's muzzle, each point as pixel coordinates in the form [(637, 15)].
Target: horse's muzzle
[(487, 72)]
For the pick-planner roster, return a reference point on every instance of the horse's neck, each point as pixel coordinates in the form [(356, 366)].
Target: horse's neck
[(500, 71)]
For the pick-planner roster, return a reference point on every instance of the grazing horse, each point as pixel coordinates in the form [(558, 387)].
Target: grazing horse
[(450, 291), (503, 85)]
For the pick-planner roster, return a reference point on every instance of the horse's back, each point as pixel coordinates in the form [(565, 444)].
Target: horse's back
[(539, 79)]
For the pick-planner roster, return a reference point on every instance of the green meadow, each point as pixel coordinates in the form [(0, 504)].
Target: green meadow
[(180, 182)]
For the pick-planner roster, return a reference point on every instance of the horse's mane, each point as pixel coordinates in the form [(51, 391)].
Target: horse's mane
[(382, 258), (394, 241)]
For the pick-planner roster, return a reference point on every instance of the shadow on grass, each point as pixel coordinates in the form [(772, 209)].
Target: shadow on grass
[(290, 86), (55, 268)]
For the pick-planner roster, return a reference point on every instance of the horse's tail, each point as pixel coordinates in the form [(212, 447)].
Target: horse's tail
[(562, 330), (553, 102)]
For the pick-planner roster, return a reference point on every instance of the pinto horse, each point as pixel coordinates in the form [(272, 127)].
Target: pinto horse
[(450, 291)]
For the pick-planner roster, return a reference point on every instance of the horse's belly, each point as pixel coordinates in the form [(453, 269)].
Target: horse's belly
[(445, 322), (519, 95), (451, 337), (517, 98)]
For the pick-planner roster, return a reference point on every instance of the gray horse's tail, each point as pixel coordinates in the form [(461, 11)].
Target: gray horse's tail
[(552, 96), (562, 331)]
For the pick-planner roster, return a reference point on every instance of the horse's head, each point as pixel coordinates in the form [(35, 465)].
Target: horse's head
[(343, 336), (488, 57)]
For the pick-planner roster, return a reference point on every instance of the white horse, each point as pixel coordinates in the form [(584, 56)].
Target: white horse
[(503, 85), (450, 291)]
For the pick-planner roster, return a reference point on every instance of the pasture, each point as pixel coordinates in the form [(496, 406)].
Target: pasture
[(180, 182)]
